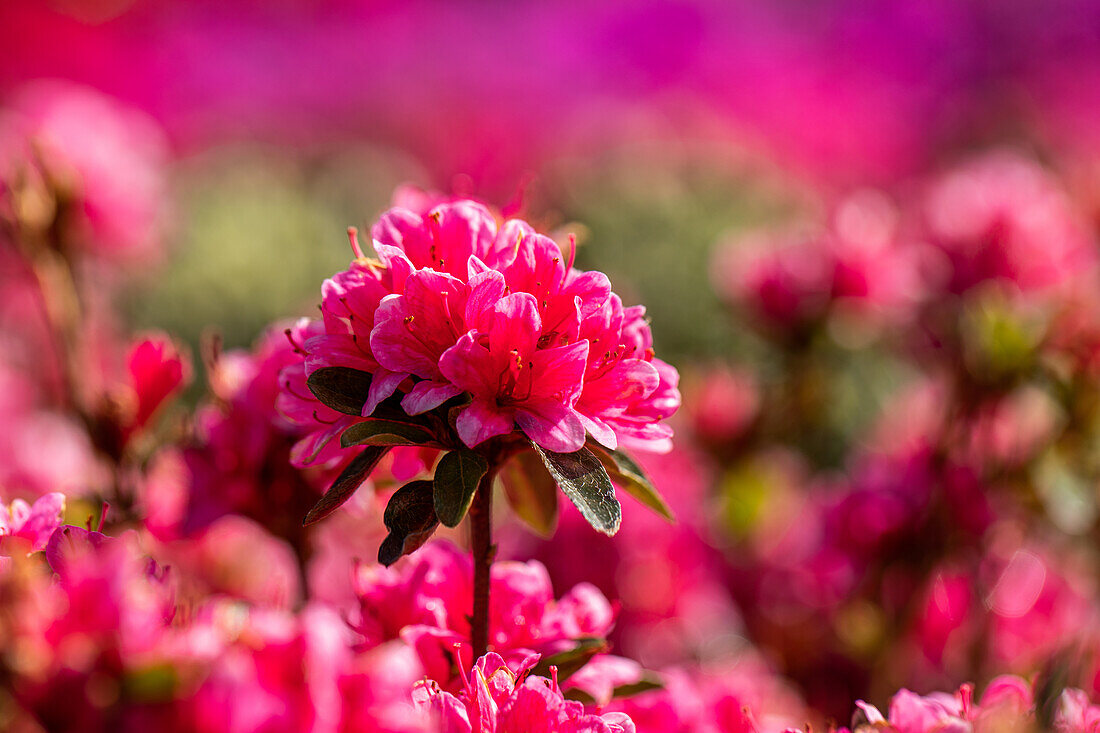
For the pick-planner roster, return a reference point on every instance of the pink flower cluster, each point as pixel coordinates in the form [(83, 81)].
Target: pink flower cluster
[(457, 305), (427, 604), (70, 151), (106, 638), (1008, 704), (497, 698)]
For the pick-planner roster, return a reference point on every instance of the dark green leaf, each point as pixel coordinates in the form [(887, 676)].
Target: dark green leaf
[(629, 475), (410, 518), (346, 483), (570, 661), (385, 432), (531, 492), (456, 480), (342, 388), (585, 481)]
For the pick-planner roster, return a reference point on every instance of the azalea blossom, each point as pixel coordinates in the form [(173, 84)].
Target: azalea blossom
[(457, 306)]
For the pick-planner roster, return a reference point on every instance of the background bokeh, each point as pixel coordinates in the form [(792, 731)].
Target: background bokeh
[(864, 232)]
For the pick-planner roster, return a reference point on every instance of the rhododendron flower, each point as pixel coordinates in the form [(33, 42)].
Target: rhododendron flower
[(485, 342), (459, 307), (497, 698)]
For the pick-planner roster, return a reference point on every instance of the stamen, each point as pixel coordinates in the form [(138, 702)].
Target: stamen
[(323, 422), (554, 679), (462, 670), (286, 387), (353, 238), (297, 347), (103, 516), (447, 313), (966, 699), (437, 238)]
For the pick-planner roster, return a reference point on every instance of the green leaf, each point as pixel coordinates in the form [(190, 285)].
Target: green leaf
[(385, 432), (156, 683), (456, 479), (585, 481), (570, 661), (410, 518), (346, 483), (629, 475), (342, 388), (531, 492)]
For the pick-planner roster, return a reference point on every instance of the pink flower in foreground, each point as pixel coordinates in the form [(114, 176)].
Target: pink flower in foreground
[(30, 527), (455, 306), (496, 698)]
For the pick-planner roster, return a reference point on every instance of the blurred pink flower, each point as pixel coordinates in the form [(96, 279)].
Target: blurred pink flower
[(498, 698), (426, 599), (157, 370), (1001, 216), (724, 404), (25, 527), (104, 163)]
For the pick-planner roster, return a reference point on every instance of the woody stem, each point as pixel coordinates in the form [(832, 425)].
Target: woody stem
[(482, 549)]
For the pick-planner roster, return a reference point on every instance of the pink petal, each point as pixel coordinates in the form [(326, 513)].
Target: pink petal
[(552, 425), (599, 430), (482, 420), (428, 395), (618, 387), (43, 519), (486, 288), (471, 367), (516, 324), (338, 350), (508, 241), (383, 384), (558, 373)]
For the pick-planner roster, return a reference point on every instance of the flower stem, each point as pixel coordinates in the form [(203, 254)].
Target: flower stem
[(481, 547)]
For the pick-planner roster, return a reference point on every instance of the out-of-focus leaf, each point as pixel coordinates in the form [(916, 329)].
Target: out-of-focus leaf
[(153, 684), (342, 388), (456, 480), (410, 518), (570, 661), (531, 492), (346, 483), (385, 432), (585, 481), (625, 472)]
